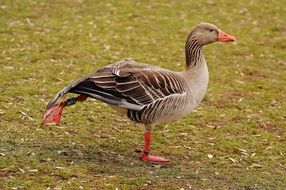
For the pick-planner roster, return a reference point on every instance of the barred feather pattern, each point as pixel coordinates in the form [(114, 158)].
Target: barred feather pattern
[(162, 110), (193, 50), (147, 93)]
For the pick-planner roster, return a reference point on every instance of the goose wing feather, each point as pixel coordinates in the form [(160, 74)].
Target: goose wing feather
[(127, 84), (141, 83)]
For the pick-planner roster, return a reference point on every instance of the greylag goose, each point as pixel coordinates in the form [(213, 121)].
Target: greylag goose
[(147, 94)]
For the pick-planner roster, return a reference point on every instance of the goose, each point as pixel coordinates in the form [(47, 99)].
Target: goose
[(145, 93)]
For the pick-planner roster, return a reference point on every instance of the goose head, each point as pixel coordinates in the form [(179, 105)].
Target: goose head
[(206, 33)]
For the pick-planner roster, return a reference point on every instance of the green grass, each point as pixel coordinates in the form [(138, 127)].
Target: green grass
[(44, 45)]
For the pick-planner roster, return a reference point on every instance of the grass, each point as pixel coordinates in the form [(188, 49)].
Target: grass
[(234, 140)]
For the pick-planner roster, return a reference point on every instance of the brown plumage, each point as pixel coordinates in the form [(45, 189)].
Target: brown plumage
[(127, 84), (147, 94)]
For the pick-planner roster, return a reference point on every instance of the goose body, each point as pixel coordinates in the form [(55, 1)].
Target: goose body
[(145, 93)]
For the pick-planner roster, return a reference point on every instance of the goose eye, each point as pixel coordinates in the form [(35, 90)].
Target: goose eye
[(211, 30)]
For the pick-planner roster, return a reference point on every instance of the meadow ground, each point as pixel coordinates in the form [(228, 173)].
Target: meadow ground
[(236, 139)]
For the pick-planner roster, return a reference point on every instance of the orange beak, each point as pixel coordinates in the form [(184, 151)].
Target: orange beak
[(224, 37)]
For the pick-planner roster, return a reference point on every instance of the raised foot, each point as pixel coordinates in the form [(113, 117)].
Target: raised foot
[(151, 158), (53, 115)]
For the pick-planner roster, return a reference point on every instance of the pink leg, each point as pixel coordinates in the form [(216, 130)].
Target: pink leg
[(145, 156), (81, 98), (53, 114)]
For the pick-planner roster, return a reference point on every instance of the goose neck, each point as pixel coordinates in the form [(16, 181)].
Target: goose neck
[(194, 54)]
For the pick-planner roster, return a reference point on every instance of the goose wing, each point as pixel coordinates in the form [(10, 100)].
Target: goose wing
[(129, 84)]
